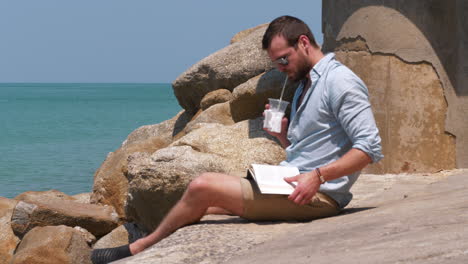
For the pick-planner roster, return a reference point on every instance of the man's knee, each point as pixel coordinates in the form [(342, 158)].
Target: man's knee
[(203, 184)]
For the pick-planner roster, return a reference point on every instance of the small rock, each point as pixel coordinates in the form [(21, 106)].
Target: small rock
[(90, 238), (215, 97), (116, 238), (98, 219), (8, 240), (53, 245)]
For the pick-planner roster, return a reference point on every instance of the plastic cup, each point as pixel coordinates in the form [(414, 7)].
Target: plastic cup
[(277, 105), (274, 115)]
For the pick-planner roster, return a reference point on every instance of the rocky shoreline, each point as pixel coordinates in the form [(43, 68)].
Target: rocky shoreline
[(220, 130), (221, 239)]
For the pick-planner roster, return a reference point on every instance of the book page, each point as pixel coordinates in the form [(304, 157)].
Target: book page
[(270, 178)]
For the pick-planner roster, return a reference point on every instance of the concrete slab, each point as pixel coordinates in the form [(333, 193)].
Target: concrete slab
[(428, 225), (398, 212)]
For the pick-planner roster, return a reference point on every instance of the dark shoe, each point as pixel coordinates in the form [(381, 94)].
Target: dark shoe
[(106, 255)]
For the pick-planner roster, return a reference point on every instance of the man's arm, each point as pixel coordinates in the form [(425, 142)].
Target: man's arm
[(309, 183)]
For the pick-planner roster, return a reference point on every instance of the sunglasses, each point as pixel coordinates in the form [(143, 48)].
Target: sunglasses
[(282, 61)]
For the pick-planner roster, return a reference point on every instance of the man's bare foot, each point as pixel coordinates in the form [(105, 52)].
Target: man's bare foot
[(138, 246)]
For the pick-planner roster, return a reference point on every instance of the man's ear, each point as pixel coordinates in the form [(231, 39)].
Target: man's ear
[(304, 42)]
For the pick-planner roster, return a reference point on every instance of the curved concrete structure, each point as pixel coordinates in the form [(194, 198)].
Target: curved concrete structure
[(409, 53)]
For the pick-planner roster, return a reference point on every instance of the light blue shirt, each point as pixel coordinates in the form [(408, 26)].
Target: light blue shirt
[(334, 116)]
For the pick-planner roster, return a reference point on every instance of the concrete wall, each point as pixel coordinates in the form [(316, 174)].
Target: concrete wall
[(413, 57)]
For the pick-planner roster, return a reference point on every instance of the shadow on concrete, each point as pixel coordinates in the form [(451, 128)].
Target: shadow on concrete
[(238, 220), (229, 220), (355, 210)]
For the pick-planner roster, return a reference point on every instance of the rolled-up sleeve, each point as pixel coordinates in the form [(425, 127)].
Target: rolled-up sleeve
[(351, 107)]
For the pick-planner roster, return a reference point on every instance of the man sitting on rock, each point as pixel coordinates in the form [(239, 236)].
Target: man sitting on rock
[(330, 137)]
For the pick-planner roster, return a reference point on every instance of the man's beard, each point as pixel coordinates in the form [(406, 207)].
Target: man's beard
[(302, 72)]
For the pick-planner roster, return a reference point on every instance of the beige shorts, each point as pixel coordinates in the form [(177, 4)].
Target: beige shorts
[(269, 207)]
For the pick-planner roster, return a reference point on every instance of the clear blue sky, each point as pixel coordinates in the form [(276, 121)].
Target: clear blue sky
[(126, 41)]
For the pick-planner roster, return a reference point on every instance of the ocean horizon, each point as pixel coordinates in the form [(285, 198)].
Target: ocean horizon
[(55, 135)]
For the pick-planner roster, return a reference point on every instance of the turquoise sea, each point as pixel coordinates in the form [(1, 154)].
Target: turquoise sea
[(54, 136)]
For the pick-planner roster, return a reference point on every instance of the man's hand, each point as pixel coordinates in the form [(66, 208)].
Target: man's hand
[(307, 186), (282, 136)]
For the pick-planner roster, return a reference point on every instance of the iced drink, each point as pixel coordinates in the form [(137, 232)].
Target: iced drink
[(274, 115)]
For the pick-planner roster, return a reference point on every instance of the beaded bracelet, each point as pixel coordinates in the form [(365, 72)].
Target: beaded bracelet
[(322, 180)]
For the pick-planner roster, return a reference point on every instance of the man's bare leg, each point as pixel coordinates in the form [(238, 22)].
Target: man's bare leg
[(209, 190), (217, 211)]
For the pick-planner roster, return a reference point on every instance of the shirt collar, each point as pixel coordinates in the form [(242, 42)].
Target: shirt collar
[(321, 65)]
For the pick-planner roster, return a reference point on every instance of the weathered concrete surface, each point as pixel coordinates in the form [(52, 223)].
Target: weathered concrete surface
[(426, 227), (410, 111), (217, 239), (433, 33), (214, 240)]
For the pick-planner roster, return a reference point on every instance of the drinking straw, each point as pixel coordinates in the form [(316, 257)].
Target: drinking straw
[(282, 91)]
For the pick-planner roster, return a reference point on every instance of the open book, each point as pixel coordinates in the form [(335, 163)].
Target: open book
[(270, 178)]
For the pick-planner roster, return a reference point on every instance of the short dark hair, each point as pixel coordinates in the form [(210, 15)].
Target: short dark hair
[(291, 28)]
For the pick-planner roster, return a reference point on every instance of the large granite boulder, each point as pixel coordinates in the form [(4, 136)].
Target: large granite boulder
[(244, 33), (110, 184), (224, 69), (249, 98), (240, 144), (53, 245), (206, 92), (44, 211), (8, 240), (246, 102), (157, 181)]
